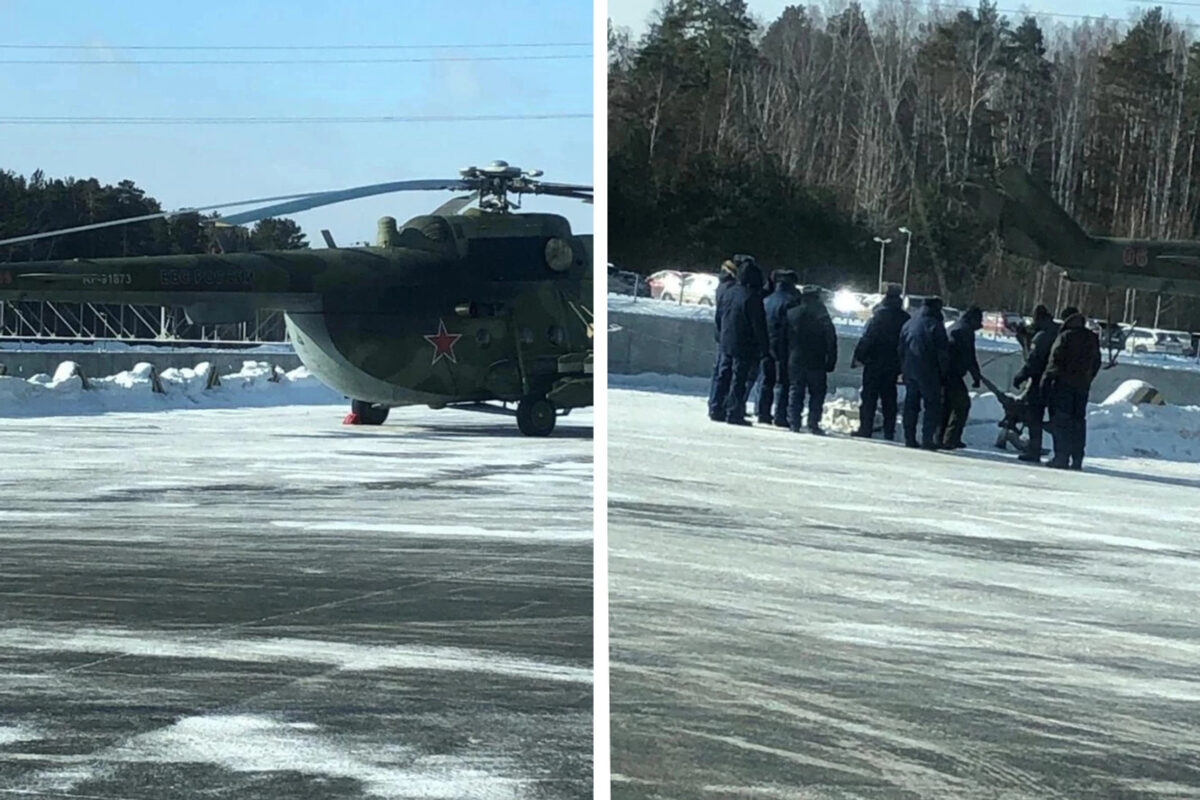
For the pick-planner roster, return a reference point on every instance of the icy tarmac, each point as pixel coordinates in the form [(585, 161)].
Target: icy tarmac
[(264, 603), (795, 617)]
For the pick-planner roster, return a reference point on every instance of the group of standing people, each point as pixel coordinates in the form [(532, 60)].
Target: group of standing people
[(782, 334), (1060, 364), (779, 332), (933, 363)]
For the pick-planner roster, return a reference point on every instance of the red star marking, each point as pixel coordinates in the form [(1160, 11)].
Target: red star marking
[(443, 344)]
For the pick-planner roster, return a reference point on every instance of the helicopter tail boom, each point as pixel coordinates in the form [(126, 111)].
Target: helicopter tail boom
[(245, 281)]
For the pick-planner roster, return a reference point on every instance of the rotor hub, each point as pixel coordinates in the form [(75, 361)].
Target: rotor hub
[(500, 184)]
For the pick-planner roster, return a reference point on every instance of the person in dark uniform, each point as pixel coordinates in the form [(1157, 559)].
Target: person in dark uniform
[(1073, 364), (811, 356), (716, 404), (924, 352), (742, 332), (776, 306), (878, 352), (962, 361), (1044, 333)]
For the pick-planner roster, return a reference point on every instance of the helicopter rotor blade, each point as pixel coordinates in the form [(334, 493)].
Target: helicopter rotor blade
[(294, 203), (306, 202), (145, 218), (571, 190)]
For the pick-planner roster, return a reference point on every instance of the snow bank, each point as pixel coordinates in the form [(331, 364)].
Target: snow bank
[(131, 390), (1116, 428)]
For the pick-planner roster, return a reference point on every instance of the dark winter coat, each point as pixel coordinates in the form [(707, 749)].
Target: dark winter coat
[(776, 307), (878, 348), (811, 338), (962, 350), (1039, 353), (723, 285), (1075, 357), (741, 321), (924, 348)]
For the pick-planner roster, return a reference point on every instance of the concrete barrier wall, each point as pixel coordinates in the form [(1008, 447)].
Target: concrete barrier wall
[(101, 363), (681, 346)]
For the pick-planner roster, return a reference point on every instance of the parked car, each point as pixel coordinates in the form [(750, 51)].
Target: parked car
[(625, 282), (1001, 323), (699, 288), (1183, 337), (665, 284), (1149, 340)]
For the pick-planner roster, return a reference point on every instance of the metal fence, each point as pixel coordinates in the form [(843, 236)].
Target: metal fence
[(56, 321)]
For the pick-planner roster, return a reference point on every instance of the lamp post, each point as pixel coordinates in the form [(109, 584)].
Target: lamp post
[(907, 248), (882, 244)]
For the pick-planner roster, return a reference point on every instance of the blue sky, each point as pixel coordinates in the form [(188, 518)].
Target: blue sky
[(633, 14), (200, 164)]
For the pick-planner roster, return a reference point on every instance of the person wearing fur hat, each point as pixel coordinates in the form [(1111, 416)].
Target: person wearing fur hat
[(963, 361), (741, 340), (1073, 364), (716, 405), (1044, 333), (877, 351), (775, 373), (925, 361), (812, 355)]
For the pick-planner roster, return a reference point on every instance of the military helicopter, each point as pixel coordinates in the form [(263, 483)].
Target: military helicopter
[(468, 306), (1033, 225)]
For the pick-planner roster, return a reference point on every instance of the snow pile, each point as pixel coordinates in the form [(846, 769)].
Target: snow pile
[(132, 390), (1144, 431), (1133, 391)]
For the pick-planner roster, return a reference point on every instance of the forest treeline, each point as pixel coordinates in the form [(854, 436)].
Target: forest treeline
[(37, 203), (802, 140)]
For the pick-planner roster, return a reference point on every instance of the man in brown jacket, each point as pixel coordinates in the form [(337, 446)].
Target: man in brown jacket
[(1073, 364)]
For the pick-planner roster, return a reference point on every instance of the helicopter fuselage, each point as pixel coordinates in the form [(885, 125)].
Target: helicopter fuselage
[(447, 310)]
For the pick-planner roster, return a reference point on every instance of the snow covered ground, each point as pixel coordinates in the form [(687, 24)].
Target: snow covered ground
[(1116, 429), (252, 385), (802, 617), (250, 602)]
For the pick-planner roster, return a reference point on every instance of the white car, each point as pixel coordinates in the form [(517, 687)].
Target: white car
[(699, 288), (1150, 340)]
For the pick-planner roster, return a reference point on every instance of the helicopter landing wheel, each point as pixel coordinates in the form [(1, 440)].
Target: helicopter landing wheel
[(536, 416), (364, 413)]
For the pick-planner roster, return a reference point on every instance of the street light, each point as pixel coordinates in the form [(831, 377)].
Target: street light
[(882, 244), (907, 247)]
